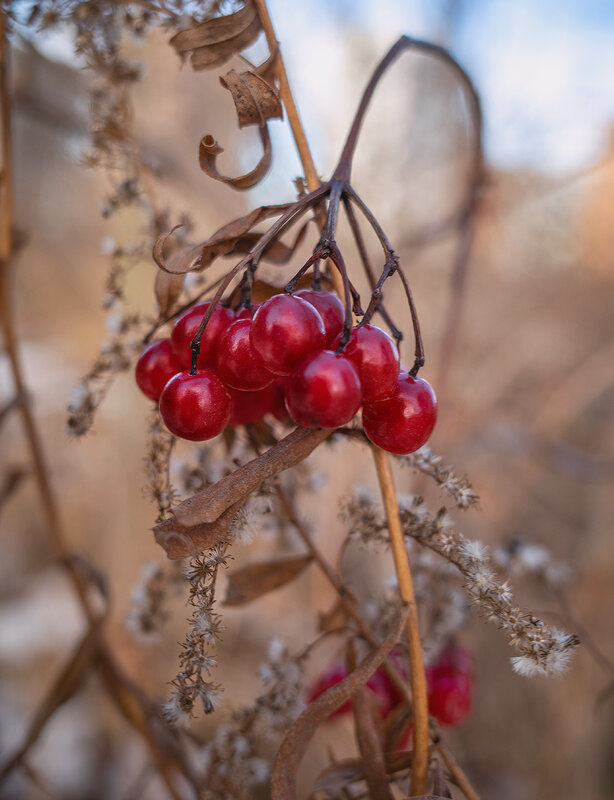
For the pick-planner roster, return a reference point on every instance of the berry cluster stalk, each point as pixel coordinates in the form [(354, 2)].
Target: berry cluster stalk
[(382, 462)]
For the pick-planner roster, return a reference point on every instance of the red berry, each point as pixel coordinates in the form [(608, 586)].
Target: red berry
[(402, 422), (449, 697), (237, 363), (187, 325), (195, 407), (285, 329), (244, 312), (324, 392), (376, 358), (155, 367), (329, 307)]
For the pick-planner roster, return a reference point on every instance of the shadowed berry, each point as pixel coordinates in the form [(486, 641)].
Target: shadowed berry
[(329, 307), (155, 367), (187, 325), (375, 356)]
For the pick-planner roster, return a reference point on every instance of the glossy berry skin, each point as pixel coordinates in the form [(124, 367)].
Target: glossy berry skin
[(324, 392), (155, 367), (187, 325), (329, 307), (376, 358), (284, 331), (237, 363), (402, 422), (195, 407)]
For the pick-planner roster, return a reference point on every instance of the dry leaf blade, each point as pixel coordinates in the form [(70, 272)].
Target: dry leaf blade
[(255, 580), (212, 42), (296, 740)]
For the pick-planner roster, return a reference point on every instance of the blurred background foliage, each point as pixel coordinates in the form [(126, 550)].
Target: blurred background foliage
[(527, 405)]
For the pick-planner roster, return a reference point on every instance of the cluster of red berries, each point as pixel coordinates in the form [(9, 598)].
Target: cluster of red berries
[(282, 360), (449, 686)]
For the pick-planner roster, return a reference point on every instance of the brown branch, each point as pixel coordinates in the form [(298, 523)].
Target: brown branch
[(406, 589), (208, 504)]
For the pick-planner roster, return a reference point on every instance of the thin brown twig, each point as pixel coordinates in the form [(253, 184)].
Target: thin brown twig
[(406, 589), (49, 502)]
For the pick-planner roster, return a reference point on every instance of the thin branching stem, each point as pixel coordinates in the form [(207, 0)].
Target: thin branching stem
[(252, 259)]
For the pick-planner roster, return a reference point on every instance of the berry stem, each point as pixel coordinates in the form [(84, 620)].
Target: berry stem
[(406, 590), (253, 257), (342, 173), (397, 335)]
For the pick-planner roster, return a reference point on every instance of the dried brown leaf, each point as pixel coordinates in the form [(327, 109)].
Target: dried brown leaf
[(251, 582), (296, 740), (197, 257), (208, 504), (276, 252), (255, 99), (215, 40), (168, 288), (395, 726), (209, 150), (181, 541)]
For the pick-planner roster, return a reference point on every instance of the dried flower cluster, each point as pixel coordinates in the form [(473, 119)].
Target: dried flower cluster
[(196, 662), (542, 649), (233, 759), (459, 489)]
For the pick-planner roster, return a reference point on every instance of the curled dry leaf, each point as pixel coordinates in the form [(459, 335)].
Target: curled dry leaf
[(367, 728), (168, 288), (208, 504), (251, 582), (296, 741), (197, 257), (215, 40), (181, 541), (256, 100), (209, 150)]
